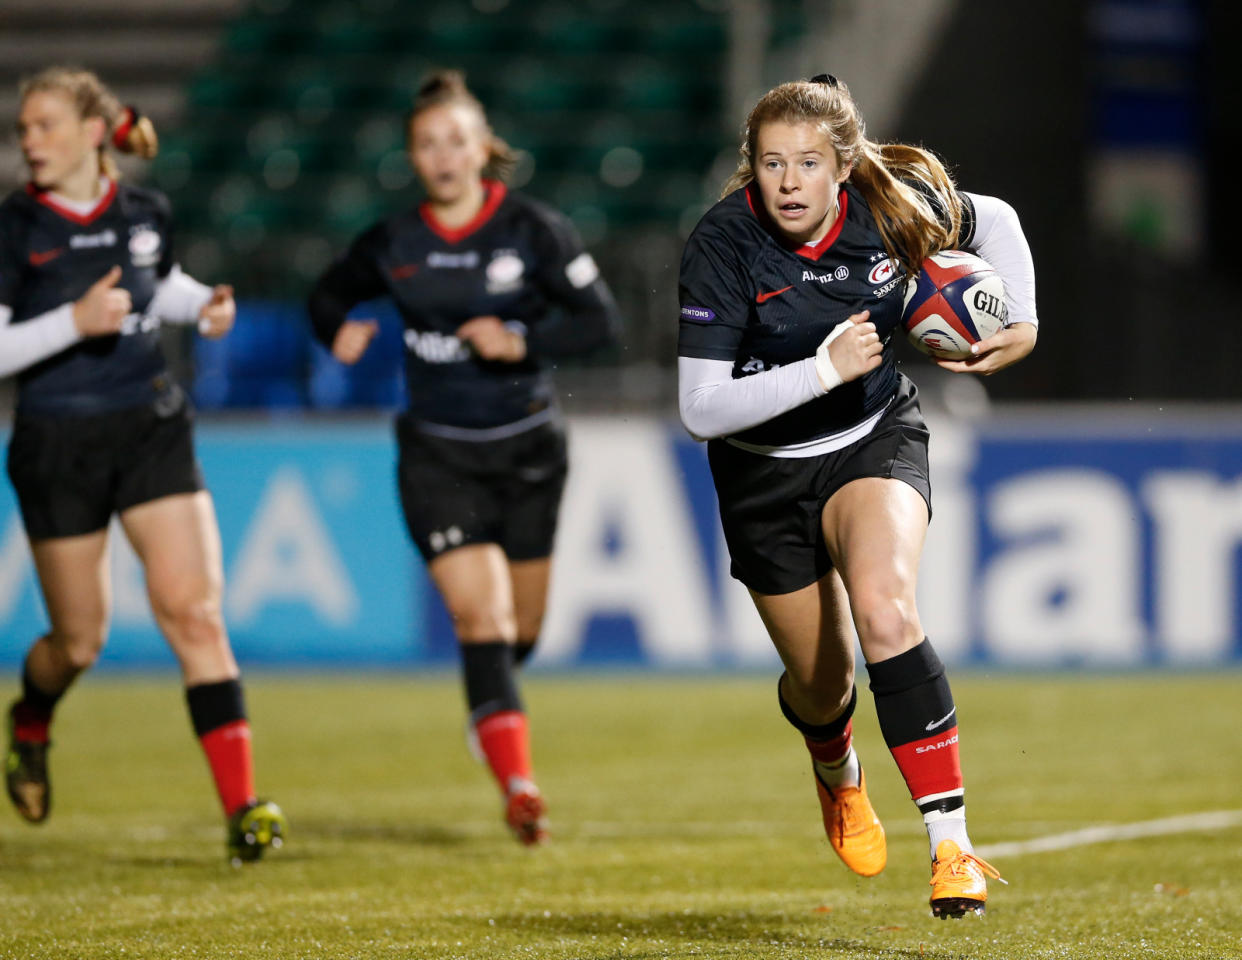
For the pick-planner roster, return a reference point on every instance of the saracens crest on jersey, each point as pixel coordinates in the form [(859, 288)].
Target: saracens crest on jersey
[(751, 297), (516, 260)]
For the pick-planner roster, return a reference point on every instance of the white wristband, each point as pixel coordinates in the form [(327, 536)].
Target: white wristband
[(179, 298), (829, 379)]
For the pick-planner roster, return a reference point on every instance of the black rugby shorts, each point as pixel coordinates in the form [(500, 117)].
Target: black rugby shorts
[(770, 507), (72, 473), (505, 491)]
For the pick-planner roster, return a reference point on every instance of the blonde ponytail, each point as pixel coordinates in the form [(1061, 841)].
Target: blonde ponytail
[(134, 133), (907, 217)]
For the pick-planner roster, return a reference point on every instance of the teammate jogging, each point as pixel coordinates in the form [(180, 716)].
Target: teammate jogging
[(86, 276), (491, 287), (791, 290)]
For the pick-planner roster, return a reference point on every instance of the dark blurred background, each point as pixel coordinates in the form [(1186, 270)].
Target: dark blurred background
[(1104, 122)]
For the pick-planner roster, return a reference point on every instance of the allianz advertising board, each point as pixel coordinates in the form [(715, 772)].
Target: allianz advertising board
[(1060, 539)]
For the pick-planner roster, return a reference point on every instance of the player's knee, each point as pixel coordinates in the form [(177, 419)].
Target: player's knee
[(528, 628), (191, 616), (79, 645), (483, 622), (887, 625), (817, 699)]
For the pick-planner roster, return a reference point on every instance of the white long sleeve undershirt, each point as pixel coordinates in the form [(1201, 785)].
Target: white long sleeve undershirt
[(178, 299), (24, 344), (713, 404), (1000, 241)]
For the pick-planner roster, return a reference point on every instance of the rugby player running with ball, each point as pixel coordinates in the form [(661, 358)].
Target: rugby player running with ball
[(791, 288)]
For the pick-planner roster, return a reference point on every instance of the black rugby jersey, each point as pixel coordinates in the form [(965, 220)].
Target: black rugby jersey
[(517, 260), (50, 255), (752, 298)]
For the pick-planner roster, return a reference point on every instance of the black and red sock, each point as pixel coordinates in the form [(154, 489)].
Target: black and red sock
[(496, 711), (831, 744), (218, 712), (32, 714), (919, 721)]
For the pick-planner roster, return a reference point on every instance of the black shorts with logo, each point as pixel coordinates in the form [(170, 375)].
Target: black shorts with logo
[(505, 491), (770, 507), (71, 473)]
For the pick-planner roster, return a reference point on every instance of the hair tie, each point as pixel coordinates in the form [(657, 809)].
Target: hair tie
[(825, 78), (129, 117)]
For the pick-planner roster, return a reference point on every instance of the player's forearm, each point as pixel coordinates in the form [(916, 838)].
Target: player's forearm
[(179, 298), (24, 344), (1000, 241), (713, 404)]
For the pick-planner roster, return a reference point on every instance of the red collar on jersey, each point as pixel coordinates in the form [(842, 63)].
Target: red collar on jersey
[(812, 251), (493, 193), (48, 199)]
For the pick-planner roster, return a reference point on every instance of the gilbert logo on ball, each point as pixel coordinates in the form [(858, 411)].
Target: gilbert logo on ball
[(957, 299)]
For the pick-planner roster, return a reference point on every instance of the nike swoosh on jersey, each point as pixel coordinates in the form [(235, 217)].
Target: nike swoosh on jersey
[(935, 723), (763, 297), (40, 257)]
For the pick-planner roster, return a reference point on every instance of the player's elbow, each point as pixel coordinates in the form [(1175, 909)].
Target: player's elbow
[(1008, 216), (993, 213), (696, 419)]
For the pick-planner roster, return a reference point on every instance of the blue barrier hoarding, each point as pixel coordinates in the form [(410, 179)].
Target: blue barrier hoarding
[(1123, 536), (1057, 540), (317, 562)]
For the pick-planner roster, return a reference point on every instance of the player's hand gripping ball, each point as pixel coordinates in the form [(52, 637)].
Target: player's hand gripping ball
[(956, 299)]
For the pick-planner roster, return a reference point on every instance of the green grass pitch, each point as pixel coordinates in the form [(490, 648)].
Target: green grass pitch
[(684, 821)]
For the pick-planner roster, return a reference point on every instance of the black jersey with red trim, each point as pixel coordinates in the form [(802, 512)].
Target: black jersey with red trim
[(517, 260), (50, 255), (754, 299)]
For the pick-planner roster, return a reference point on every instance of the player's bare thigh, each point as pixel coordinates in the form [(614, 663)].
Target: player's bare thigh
[(477, 588), (76, 585), (874, 529), (178, 541), (530, 595)]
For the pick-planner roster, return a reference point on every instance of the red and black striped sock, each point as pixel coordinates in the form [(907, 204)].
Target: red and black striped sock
[(32, 714), (218, 712), (831, 744), (919, 721), (496, 712)]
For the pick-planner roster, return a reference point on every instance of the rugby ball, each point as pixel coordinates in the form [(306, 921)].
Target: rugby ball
[(956, 299)]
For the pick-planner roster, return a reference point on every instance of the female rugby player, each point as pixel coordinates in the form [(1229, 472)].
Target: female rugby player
[(86, 276), (491, 287), (791, 290)]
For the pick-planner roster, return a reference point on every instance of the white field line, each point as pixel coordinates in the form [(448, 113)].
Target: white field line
[(625, 829), (1188, 823)]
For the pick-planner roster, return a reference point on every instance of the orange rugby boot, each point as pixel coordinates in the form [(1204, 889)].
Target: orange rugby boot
[(853, 829), (959, 881)]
